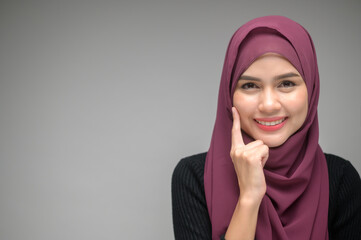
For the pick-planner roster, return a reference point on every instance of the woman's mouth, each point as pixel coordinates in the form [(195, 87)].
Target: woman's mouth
[(271, 124)]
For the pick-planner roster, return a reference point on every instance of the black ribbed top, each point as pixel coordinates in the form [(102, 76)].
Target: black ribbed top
[(190, 214)]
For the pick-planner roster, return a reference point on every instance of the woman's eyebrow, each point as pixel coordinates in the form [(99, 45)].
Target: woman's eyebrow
[(245, 77), (286, 75)]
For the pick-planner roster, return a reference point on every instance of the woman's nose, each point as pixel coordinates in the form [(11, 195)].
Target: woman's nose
[(269, 101)]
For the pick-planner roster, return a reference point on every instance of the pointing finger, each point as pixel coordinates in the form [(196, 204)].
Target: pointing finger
[(237, 139)]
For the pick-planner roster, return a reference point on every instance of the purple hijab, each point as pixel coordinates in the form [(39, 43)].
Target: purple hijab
[(295, 205)]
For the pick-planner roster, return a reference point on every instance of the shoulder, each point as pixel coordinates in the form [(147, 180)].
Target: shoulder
[(188, 175), (188, 183), (190, 168), (196, 160), (344, 198), (340, 169), (189, 207), (343, 177), (335, 161)]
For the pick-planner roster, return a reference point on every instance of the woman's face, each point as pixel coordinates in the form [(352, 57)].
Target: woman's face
[(271, 99)]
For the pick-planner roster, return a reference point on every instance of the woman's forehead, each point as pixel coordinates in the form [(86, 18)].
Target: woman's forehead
[(271, 64), (273, 57)]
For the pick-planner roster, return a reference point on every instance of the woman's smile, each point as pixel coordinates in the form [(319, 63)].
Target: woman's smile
[(271, 124), (270, 121)]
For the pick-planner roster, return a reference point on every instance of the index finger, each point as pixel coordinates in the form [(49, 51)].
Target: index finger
[(237, 139)]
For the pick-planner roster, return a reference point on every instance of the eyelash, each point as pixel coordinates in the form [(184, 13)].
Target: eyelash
[(287, 82), (248, 85), (283, 84)]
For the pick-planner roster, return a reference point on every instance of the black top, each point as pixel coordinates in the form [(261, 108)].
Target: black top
[(190, 214)]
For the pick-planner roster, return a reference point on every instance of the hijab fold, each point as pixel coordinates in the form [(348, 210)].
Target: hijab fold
[(295, 205)]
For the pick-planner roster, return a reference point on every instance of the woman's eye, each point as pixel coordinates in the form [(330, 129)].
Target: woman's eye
[(287, 84), (249, 86)]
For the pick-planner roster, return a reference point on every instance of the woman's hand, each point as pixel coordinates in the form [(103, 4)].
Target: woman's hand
[(248, 161)]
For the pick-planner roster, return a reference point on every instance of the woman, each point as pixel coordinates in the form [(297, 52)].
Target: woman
[(265, 175)]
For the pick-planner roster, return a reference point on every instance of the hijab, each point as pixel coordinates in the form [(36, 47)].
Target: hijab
[(295, 205)]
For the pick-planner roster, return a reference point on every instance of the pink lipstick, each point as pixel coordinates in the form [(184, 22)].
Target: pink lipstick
[(271, 124)]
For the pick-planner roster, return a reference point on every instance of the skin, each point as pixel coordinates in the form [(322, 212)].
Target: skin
[(268, 96)]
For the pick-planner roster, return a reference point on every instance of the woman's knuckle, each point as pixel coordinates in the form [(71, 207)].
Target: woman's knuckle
[(245, 155), (238, 153)]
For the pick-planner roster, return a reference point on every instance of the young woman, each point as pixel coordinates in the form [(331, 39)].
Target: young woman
[(265, 175)]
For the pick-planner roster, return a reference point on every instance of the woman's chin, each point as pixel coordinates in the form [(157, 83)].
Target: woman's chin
[(273, 142)]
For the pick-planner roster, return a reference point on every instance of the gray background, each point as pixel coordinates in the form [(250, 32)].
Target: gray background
[(100, 99)]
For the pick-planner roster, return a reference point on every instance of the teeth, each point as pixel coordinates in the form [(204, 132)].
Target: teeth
[(271, 123)]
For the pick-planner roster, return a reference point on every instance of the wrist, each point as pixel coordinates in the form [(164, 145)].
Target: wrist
[(250, 201)]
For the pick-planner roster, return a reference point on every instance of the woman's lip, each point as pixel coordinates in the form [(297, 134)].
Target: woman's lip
[(269, 128), (271, 119)]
